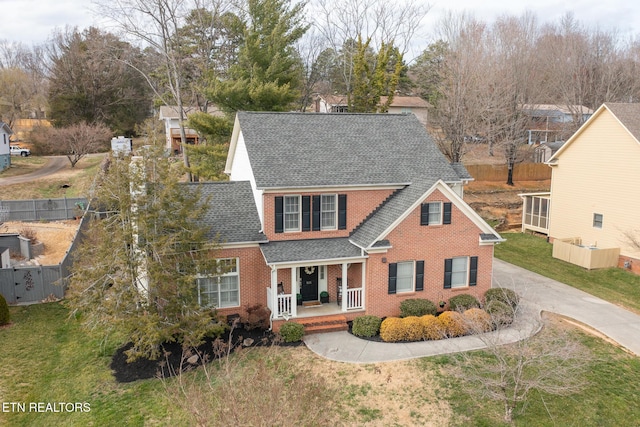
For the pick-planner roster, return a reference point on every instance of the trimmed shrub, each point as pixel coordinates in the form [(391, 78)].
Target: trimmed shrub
[(366, 326), (453, 324), (392, 329), (501, 313), (504, 295), (257, 317), (478, 320), (5, 316), (431, 327), (413, 330), (291, 332), (417, 307), (463, 302)]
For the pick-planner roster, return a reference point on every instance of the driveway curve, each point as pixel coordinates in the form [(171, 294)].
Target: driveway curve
[(537, 294), (53, 165)]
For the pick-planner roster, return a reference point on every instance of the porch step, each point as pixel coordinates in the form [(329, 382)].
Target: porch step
[(323, 324)]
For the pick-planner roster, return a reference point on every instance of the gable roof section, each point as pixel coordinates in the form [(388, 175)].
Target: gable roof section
[(403, 203), (5, 127), (298, 150), (406, 101), (627, 114), (232, 213)]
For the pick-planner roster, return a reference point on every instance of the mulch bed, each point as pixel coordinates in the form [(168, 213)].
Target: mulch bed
[(173, 361)]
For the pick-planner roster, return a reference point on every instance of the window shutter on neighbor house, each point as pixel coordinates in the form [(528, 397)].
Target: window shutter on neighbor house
[(316, 214), (448, 268), (393, 273), (306, 213), (424, 214), (446, 215), (342, 212), (279, 217), (473, 271), (419, 275)]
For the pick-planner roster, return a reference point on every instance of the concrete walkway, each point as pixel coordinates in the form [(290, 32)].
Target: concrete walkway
[(537, 294)]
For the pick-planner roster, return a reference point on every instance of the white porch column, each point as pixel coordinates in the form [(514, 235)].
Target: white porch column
[(294, 292), (362, 283), (273, 294), (344, 286)]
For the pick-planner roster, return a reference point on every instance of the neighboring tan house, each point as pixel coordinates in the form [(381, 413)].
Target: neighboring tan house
[(400, 104), (331, 104), (362, 207), (409, 104), (594, 198), (5, 153), (170, 115), (552, 123)]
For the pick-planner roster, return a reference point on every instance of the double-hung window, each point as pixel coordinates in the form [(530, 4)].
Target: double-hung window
[(597, 220), (406, 276), (460, 272), (328, 212), (291, 213), (221, 289), (404, 281), (435, 213)]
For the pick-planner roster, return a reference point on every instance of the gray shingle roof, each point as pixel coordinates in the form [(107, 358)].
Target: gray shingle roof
[(629, 115), (232, 214), (309, 250), (307, 149)]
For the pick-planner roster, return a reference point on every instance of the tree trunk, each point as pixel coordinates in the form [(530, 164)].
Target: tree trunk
[(510, 174)]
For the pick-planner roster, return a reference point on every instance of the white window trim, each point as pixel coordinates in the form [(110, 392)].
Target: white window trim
[(335, 213), (218, 276), (466, 272), (413, 277), (284, 214), (440, 214)]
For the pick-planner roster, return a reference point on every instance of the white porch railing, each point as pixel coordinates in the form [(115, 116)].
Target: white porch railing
[(354, 298), (281, 307)]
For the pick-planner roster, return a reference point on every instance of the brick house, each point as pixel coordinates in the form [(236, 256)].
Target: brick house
[(362, 207)]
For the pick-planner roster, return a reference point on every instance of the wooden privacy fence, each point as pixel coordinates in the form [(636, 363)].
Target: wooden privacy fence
[(521, 172), (29, 284)]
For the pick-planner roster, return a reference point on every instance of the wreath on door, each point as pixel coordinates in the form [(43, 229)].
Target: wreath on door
[(309, 270)]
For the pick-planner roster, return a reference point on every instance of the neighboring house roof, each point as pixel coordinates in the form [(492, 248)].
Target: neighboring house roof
[(289, 251), (551, 109), (335, 99), (627, 114), (406, 101), (232, 213), (172, 111), (315, 150), (5, 127)]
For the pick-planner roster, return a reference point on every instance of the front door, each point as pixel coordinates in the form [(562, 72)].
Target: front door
[(309, 283)]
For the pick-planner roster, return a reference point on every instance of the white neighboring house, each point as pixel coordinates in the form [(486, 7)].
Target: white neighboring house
[(5, 151), (170, 115)]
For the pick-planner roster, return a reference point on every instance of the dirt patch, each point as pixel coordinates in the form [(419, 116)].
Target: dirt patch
[(56, 236)]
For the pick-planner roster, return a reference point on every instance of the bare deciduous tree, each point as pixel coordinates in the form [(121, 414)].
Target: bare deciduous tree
[(76, 141)]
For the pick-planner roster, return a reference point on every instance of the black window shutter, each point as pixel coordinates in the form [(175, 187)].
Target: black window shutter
[(419, 275), (393, 273), (424, 214), (279, 214), (473, 271), (306, 213), (342, 212), (446, 217), (315, 223), (448, 268)]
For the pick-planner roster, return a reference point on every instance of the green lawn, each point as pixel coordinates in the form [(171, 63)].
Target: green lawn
[(46, 358), (534, 253)]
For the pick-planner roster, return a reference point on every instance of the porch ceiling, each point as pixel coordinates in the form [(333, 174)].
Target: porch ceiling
[(293, 251)]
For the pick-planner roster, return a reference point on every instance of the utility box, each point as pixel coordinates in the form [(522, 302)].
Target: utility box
[(121, 146)]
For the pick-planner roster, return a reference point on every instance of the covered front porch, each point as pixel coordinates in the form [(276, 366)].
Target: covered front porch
[(311, 278)]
